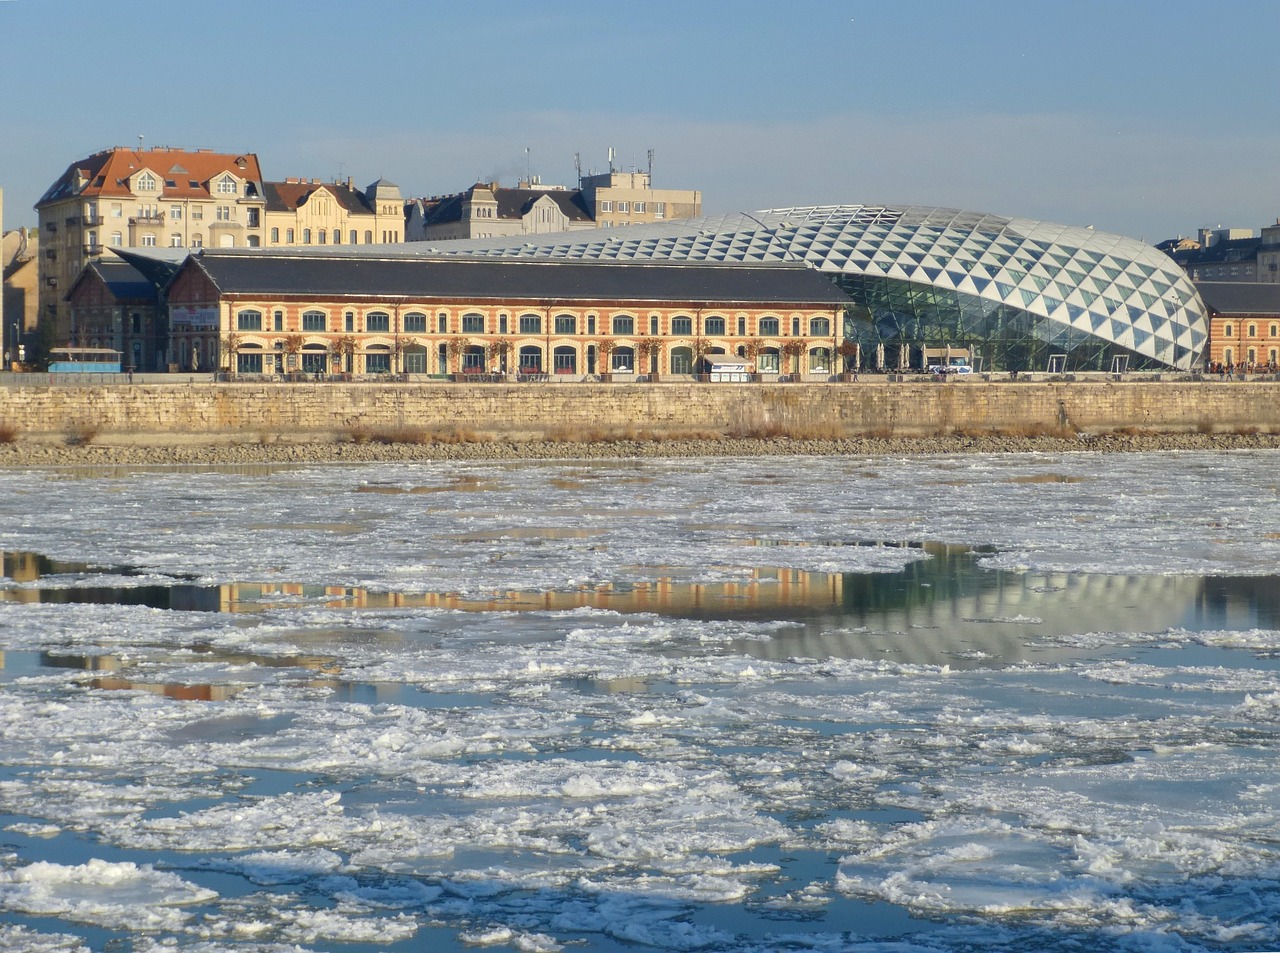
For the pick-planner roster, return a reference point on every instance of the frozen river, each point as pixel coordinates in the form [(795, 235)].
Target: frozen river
[(856, 704)]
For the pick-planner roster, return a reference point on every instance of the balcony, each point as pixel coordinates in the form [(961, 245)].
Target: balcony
[(148, 219), (93, 249), (92, 221)]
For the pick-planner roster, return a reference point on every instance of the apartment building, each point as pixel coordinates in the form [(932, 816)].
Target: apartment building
[(487, 210), (628, 198), (1230, 254), (135, 198), (312, 212)]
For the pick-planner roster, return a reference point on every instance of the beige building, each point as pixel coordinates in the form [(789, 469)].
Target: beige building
[(133, 198), (487, 210), (20, 261), (312, 212), (628, 198), (285, 313)]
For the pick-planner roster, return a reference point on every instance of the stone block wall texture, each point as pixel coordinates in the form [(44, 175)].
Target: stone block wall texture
[(251, 409)]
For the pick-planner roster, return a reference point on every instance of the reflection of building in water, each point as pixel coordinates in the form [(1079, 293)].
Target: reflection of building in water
[(936, 609), (1225, 599)]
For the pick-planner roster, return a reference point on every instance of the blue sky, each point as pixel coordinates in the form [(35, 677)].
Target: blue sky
[(1140, 117)]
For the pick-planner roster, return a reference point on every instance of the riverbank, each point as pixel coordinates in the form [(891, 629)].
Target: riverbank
[(20, 454)]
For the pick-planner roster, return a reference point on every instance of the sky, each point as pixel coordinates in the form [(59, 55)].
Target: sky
[(1150, 119)]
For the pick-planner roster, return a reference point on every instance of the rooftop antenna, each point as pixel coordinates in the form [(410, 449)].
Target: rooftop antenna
[(577, 167), (650, 167), (139, 142), (611, 160), (528, 166)]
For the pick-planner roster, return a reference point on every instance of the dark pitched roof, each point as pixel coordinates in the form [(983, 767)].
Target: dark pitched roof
[(493, 278), (125, 282), (1240, 297), (287, 196), (512, 204), (1223, 252)]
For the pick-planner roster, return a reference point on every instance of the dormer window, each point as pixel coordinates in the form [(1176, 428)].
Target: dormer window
[(146, 182), (227, 186)]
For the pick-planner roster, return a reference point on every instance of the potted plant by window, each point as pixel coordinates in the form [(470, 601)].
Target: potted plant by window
[(454, 348), (647, 350), (498, 353), (794, 350), (604, 351), (751, 353), (291, 346), (850, 352), (231, 345), (344, 348)]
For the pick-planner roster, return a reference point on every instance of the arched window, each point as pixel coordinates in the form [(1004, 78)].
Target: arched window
[(415, 322), (337, 236), (623, 360), (368, 236), (624, 324), (473, 359), (306, 236), (819, 327), (820, 360), (769, 327), (682, 360), (249, 321), (1227, 356), (378, 322), (473, 323), (1253, 330), (530, 359), (714, 325), (682, 324), (354, 237), (314, 321), (531, 324), (1273, 330), (566, 324), (249, 359), (1227, 331), (415, 359), (377, 360), (565, 359), (767, 361)]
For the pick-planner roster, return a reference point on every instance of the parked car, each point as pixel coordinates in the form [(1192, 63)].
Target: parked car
[(957, 366)]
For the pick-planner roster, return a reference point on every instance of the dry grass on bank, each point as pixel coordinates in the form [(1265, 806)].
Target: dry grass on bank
[(413, 435)]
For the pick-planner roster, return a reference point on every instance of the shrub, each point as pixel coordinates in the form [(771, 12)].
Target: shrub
[(8, 432), (81, 435)]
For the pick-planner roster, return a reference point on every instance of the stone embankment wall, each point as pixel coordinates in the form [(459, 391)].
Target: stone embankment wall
[(191, 411)]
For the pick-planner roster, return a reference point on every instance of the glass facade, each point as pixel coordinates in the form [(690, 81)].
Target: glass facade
[(1022, 294)]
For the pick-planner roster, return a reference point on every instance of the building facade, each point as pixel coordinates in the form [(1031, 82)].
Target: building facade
[(487, 210), (19, 259), (114, 306), (1244, 325), (324, 314), (628, 198), (1017, 294), (1230, 254), (312, 212), (131, 198)]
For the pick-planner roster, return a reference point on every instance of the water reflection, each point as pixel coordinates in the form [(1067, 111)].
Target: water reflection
[(942, 608)]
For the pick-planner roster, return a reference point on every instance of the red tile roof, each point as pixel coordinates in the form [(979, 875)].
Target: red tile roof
[(106, 173)]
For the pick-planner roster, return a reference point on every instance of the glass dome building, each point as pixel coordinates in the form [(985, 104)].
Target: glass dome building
[(1019, 294)]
